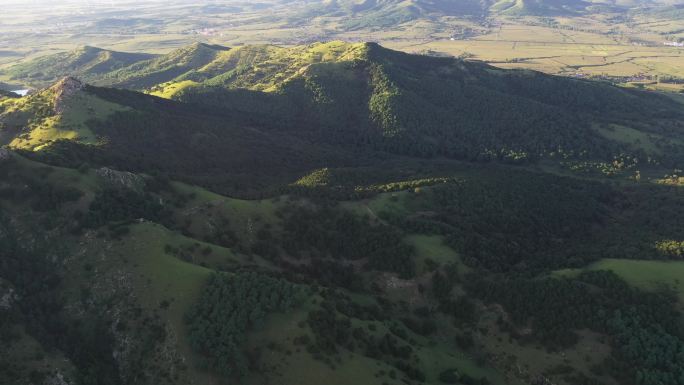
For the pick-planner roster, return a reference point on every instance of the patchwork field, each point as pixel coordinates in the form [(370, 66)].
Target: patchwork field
[(561, 52)]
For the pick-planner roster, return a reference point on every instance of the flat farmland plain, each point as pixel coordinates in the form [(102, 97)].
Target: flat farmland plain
[(563, 52)]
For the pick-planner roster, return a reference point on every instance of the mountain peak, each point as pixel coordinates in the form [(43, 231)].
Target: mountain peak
[(215, 47), (69, 82), (64, 89), (89, 48)]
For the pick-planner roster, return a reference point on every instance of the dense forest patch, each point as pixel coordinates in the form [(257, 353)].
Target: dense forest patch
[(521, 221), (338, 234), (647, 331), (230, 306)]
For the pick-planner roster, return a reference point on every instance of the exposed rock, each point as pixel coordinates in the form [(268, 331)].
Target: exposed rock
[(121, 179), (64, 89), (541, 380), (408, 288), (7, 296), (5, 154), (56, 379)]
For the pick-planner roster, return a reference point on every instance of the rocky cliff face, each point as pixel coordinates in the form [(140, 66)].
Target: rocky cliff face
[(121, 179), (64, 89)]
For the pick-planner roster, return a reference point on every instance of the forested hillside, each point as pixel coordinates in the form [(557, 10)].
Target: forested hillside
[(365, 96), (426, 272), (74, 124), (360, 14), (87, 63)]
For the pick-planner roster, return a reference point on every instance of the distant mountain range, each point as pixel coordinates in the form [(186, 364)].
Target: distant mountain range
[(384, 13)]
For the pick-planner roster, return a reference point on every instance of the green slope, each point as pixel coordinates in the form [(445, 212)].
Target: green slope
[(425, 106), (146, 74), (360, 14), (351, 15), (226, 152), (133, 268), (86, 62), (269, 103), (652, 275), (63, 111), (540, 7), (265, 67)]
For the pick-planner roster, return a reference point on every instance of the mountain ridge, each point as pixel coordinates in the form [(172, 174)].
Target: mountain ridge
[(365, 95), (357, 15), (86, 62)]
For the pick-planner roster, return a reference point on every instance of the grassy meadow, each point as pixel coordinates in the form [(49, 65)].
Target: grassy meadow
[(646, 275)]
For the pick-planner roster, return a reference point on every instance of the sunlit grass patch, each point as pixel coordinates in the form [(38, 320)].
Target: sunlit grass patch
[(169, 90)]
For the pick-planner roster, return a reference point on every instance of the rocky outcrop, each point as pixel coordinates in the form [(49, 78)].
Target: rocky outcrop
[(65, 89), (8, 296), (121, 179), (5, 154), (56, 379)]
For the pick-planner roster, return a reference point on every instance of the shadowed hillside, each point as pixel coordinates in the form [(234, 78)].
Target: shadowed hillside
[(540, 8), (359, 14), (356, 97), (148, 73), (363, 94), (72, 123)]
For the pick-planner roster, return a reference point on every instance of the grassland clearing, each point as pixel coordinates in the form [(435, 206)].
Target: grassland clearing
[(646, 275), (164, 283), (432, 247)]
